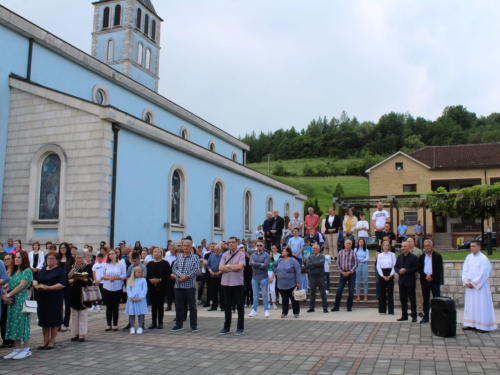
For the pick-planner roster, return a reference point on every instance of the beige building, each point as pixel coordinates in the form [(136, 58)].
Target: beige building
[(427, 169)]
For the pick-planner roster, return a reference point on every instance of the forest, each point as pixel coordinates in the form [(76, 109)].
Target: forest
[(369, 142)]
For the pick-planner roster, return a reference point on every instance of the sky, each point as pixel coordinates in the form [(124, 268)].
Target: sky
[(263, 65)]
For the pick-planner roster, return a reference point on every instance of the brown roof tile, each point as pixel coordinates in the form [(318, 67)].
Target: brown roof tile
[(459, 156)]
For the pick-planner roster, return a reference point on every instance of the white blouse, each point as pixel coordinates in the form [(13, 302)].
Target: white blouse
[(118, 270), (386, 261)]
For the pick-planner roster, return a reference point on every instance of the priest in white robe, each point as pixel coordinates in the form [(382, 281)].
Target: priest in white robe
[(479, 313)]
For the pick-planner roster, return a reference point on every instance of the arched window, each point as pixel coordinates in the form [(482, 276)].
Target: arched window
[(248, 211), (153, 30), (218, 206), (234, 157), (105, 18), (50, 176), (270, 204), (138, 20), (110, 46), (176, 199), (148, 59), (211, 146), (184, 133), (140, 53), (147, 118), (146, 24), (287, 209), (118, 15)]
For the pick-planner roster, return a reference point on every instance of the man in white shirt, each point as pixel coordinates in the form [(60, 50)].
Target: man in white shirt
[(379, 218), (296, 222), (430, 266)]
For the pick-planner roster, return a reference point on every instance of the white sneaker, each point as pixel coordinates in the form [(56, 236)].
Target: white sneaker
[(23, 354), (245, 306), (266, 313), (199, 302), (253, 313), (140, 331), (11, 355), (327, 291), (98, 308), (274, 306), (92, 308), (132, 331)]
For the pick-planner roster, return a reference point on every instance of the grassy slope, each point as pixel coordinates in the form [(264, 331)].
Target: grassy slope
[(317, 187)]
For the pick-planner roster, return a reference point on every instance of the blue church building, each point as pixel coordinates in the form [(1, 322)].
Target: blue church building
[(89, 150)]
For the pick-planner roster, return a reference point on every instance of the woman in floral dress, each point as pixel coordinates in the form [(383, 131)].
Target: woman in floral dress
[(18, 323)]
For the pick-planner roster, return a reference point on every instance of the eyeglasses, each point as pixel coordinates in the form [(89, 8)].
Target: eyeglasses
[(260, 245)]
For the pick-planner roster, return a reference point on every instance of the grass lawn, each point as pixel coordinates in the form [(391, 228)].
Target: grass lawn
[(461, 255), (320, 188), (297, 165)]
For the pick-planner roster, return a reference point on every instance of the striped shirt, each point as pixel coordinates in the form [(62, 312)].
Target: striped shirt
[(118, 270), (347, 262), (186, 265), (232, 278)]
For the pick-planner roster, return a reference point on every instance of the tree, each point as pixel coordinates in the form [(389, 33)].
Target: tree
[(314, 204), (339, 191)]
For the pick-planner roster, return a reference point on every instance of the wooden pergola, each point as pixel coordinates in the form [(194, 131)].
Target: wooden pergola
[(393, 201)]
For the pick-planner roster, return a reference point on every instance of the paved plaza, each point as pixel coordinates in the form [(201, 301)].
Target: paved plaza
[(312, 344)]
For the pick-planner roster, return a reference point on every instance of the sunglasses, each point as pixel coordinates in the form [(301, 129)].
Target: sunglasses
[(260, 245)]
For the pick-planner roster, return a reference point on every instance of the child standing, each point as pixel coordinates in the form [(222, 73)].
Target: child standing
[(97, 270), (259, 233), (137, 289), (328, 261), (272, 281)]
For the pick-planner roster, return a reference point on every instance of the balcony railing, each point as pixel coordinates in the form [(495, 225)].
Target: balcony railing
[(466, 227)]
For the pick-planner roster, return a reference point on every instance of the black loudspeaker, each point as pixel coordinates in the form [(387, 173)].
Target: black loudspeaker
[(443, 317)]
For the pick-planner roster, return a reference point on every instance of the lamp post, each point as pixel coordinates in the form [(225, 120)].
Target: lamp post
[(488, 239)]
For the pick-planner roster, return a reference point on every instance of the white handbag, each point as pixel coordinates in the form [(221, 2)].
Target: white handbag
[(30, 307), (299, 294)]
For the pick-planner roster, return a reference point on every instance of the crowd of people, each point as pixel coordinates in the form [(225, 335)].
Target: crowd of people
[(286, 256)]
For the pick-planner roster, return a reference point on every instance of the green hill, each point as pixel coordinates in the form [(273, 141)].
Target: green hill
[(320, 188)]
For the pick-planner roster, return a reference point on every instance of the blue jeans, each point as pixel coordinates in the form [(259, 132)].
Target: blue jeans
[(342, 281), (362, 275), (264, 287)]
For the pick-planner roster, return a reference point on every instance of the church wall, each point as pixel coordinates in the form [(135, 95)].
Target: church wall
[(143, 78), (147, 44), (119, 38), (13, 59), (143, 202), (75, 80), (84, 142)]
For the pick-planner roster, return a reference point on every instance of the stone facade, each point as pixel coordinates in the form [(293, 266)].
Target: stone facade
[(85, 142)]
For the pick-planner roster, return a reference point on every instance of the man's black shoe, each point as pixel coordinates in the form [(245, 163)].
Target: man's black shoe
[(481, 331), (127, 327), (414, 319), (206, 305), (160, 326), (421, 314), (402, 319), (335, 309), (424, 320), (212, 309), (325, 310), (152, 326), (468, 328), (311, 310), (349, 309)]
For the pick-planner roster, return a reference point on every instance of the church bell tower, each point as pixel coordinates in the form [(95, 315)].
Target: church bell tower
[(126, 36)]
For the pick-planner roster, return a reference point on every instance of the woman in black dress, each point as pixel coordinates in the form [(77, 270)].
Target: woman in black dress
[(77, 280), (66, 261), (159, 272), (50, 299)]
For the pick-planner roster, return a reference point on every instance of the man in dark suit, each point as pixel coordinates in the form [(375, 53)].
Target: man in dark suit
[(277, 224), (406, 266), (266, 228), (430, 267)]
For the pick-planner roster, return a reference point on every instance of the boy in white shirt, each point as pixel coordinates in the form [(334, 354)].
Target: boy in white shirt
[(362, 227), (97, 270), (259, 233)]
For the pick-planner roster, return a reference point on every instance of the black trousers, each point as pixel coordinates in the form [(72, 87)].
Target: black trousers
[(4, 324), (405, 292), (184, 297), (268, 243), (234, 295), (276, 240), (157, 299), (217, 292), (112, 300), (386, 300), (247, 293), (427, 288), (286, 295), (170, 296), (205, 279), (67, 307)]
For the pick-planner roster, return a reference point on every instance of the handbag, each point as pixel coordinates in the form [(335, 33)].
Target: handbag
[(299, 294), (91, 294), (30, 307)]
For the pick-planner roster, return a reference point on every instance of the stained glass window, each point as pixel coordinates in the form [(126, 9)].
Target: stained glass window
[(247, 211), (217, 208), (49, 188), (176, 199)]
